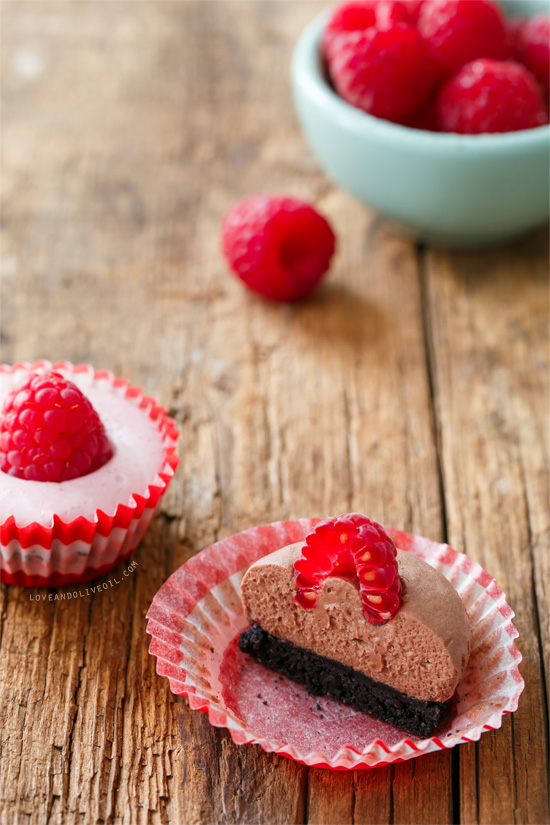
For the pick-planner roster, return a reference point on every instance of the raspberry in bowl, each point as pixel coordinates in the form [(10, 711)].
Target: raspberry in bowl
[(84, 460), (450, 189)]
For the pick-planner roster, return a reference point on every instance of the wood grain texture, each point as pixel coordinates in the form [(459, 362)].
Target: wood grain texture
[(410, 387), (487, 317)]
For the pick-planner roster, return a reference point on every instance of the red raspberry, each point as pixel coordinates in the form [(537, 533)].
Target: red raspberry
[(359, 15), (349, 17), (490, 96), (532, 43), (515, 34), (389, 12), (50, 432), (279, 246), (351, 545), (387, 73), (413, 7), (459, 31)]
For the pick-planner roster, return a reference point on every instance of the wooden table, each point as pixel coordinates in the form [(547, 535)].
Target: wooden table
[(412, 386)]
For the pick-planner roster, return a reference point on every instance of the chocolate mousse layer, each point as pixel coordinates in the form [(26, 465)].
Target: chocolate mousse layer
[(326, 677), (421, 652)]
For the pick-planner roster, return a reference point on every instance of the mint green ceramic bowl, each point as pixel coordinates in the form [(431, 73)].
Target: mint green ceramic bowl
[(445, 189)]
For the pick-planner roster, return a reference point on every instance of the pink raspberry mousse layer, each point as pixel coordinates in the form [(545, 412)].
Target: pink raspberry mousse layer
[(138, 455), (422, 651)]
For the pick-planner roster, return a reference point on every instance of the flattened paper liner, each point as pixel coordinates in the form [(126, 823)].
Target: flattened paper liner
[(82, 549), (196, 617)]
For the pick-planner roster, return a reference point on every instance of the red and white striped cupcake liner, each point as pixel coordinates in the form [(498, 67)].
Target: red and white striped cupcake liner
[(196, 618), (69, 552)]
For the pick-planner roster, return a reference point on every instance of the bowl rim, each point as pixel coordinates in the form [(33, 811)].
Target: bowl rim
[(307, 72)]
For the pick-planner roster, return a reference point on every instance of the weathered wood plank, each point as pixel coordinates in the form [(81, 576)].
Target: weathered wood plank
[(330, 796), (373, 796), (487, 317), (127, 236), (416, 797), (217, 786)]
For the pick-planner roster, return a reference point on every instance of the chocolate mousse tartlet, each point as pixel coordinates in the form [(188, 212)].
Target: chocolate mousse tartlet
[(353, 618)]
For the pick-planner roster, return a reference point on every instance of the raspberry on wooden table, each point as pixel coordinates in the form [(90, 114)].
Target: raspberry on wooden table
[(459, 31), (386, 72), (49, 431), (491, 96), (351, 545), (279, 246)]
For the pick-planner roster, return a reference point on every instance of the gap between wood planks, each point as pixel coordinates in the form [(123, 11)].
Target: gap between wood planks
[(428, 347)]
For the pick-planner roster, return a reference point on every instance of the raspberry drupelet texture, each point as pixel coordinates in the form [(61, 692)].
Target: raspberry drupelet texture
[(459, 31), (359, 15), (49, 431), (351, 545), (356, 15), (387, 72), (491, 96), (279, 246)]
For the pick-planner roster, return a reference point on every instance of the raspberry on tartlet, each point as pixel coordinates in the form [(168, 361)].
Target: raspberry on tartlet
[(351, 545), (49, 431), (279, 246)]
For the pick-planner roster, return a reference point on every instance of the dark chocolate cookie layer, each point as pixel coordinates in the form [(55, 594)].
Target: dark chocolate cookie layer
[(326, 677)]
